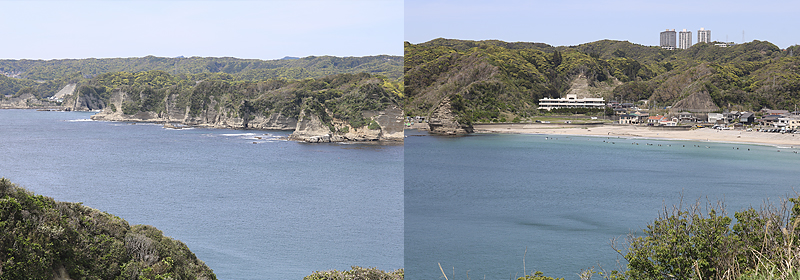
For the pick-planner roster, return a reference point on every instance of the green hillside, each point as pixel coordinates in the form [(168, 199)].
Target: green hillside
[(493, 80), (41, 238), (48, 76), (341, 96)]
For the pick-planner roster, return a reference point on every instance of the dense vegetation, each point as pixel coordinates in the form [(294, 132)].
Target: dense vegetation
[(692, 242), (46, 77), (490, 80), (697, 242), (356, 273), (341, 96), (45, 239)]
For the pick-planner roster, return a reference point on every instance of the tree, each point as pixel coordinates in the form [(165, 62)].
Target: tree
[(556, 59)]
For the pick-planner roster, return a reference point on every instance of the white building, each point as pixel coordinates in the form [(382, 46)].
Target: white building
[(725, 44), (572, 101), (788, 123), (716, 118), (684, 39), (703, 35), (668, 39)]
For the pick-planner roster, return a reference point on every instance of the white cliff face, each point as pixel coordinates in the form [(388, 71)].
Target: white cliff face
[(210, 117), (390, 128), (309, 127)]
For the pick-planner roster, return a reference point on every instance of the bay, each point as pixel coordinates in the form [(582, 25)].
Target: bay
[(475, 204), (250, 208)]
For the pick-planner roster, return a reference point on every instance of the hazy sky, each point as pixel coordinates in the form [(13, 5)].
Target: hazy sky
[(243, 29), (573, 22)]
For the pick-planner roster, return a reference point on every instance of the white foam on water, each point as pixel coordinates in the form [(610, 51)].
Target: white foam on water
[(238, 134)]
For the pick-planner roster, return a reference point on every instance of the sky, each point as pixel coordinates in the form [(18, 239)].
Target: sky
[(243, 29), (574, 22)]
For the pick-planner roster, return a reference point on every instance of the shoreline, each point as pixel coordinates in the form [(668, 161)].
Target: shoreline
[(644, 132)]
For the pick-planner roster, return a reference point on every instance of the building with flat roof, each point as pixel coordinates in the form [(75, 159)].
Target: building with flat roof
[(684, 39), (572, 101), (703, 35), (668, 39)]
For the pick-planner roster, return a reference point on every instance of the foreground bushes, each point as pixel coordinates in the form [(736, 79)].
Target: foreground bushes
[(699, 243), (702, 242), (356, 273), (44, 239)]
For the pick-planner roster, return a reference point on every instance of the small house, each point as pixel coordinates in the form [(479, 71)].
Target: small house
[(747, 118), (655, 120), (627, 119), (686, 117), (717, 118)]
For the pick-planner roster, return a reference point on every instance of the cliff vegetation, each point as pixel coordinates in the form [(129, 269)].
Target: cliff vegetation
[(356, 273), (46, 77), (41, 238)]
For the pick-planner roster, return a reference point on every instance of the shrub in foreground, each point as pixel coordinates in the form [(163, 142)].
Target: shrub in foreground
[(41, 238), (356, 273), (701, 243)]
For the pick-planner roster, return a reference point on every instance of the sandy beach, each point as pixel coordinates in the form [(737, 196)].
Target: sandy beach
[(629, 131)]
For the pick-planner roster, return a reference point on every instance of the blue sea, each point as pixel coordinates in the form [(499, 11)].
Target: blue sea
[(249, 204), (492, 206)]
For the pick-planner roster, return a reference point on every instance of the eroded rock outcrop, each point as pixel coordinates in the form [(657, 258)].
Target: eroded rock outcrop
[(698, 102), (209, 117), (385, 125), (443, 121)]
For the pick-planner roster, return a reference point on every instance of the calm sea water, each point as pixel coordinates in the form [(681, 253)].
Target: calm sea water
[(473, 204), (270, 210)]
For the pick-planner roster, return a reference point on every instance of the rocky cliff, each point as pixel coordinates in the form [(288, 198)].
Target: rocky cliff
[(386, 125), (84, 98), (443, 121), (26, 101), (174, 113), (347, 107)]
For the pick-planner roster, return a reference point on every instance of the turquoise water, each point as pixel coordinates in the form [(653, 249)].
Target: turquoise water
[(270, 210), (474, 204)]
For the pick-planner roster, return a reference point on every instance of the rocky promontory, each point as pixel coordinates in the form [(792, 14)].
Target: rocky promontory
[(339, 108)]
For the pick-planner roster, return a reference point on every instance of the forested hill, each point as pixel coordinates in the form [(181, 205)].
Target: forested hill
[(41, 238), (495, 80), (250, 69), (46, 77)]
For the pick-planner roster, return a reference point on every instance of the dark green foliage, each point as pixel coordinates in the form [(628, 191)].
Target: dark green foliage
[(682, 243), (356, 273), (40, 237), (366, 95), (538, 276), (240, 69), (633, 91), (691, 243)]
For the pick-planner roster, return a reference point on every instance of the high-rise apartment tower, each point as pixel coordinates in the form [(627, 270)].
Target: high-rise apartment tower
[(684, 39), (703, 35), (668, 39)]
